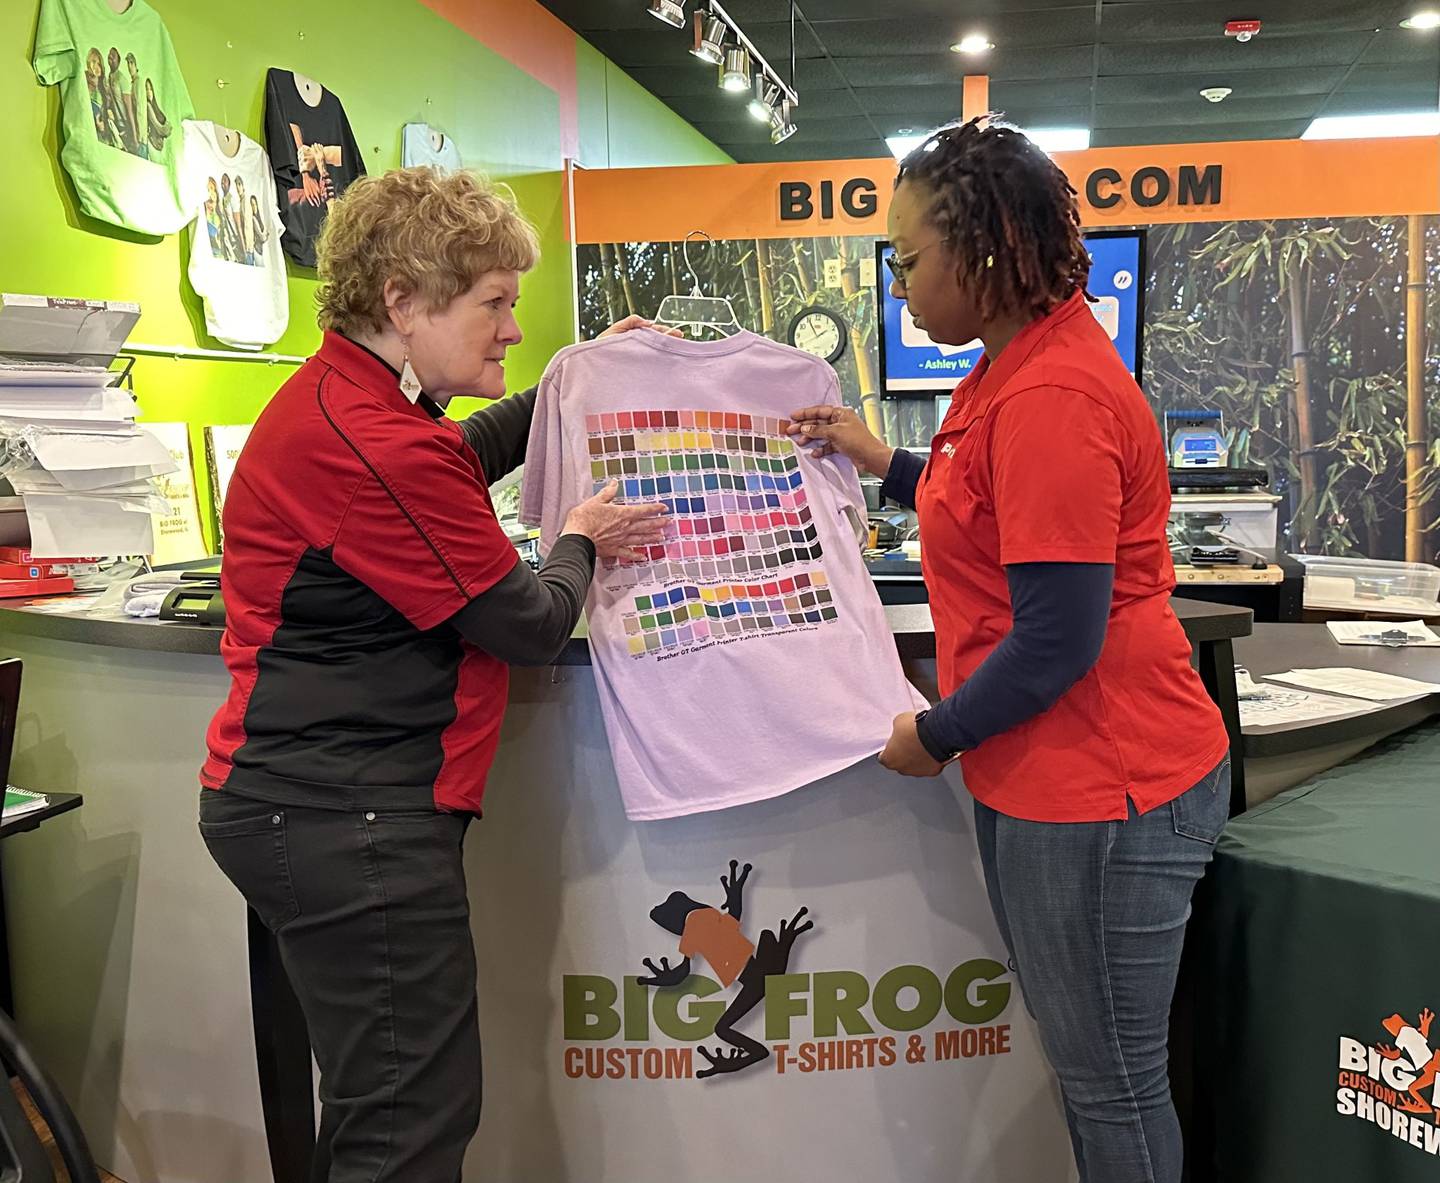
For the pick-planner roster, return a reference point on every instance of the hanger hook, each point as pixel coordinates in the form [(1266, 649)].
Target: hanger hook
[(685, 250)]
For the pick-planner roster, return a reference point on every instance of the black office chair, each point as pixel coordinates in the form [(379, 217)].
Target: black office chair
[(22, 1158)]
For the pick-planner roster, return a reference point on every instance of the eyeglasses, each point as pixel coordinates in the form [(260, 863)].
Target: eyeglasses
[(900, 267)]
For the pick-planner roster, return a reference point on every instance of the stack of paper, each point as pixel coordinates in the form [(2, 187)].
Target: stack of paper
[(88, 489)]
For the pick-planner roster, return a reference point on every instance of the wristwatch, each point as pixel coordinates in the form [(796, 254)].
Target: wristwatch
[(945, 759)]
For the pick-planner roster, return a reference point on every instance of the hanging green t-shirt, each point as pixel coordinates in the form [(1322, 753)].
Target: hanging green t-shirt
[(122, 97)]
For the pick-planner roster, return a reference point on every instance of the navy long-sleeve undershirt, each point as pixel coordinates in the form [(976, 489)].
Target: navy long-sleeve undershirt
[(1060, 614)]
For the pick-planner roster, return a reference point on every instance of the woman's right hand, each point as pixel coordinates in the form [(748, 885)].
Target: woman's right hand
[(616, 530), (839, 429)]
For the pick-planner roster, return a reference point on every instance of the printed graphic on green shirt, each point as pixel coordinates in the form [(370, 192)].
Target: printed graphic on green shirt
[(123, 104)]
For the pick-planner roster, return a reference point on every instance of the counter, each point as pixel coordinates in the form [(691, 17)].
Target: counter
[(132, 966), (1279, 758)]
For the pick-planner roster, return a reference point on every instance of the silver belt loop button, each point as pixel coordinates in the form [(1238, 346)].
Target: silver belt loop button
[(370, 817)]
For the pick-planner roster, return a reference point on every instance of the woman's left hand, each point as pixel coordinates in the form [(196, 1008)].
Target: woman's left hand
[(639, 322), (905, 753)]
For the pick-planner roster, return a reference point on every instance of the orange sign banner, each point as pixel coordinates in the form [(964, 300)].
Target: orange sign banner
[(1252, 180)]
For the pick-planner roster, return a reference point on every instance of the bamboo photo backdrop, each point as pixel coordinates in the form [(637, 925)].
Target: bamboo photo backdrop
[(1314, 338)]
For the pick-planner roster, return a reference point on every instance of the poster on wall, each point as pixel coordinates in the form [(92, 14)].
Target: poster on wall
[(915, 365), (178, 538), (222, 449)]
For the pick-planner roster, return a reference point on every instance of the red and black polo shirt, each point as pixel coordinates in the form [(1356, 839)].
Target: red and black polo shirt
[(356, 524)]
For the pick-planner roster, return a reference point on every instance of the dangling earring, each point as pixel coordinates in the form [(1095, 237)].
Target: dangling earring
[(409, 383)]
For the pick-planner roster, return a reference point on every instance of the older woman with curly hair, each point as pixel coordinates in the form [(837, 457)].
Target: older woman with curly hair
[(374, 605)]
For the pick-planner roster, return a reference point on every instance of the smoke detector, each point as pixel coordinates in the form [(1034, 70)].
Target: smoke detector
[(1216, 94), (1242, 31)]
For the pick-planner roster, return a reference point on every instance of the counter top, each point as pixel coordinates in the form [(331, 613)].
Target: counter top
[(1275, 648), (909, 623)]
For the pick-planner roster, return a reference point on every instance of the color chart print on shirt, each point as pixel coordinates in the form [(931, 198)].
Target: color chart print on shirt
[(741, 540), (727, 656)]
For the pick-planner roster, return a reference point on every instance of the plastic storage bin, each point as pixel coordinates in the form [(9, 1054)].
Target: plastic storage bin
[(1371, 585)]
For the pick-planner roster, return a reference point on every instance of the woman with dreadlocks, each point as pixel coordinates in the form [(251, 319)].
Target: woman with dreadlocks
[(1099, 766)]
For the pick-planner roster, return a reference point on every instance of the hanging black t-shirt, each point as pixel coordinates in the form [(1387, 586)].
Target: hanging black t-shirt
[(314, 155)]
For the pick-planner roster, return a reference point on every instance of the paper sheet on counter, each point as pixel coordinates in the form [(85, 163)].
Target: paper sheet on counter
[(1358, 632), (1353, 683), (1280, 706)]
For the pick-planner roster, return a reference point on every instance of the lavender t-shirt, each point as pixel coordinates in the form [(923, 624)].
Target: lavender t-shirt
[(748, 655)]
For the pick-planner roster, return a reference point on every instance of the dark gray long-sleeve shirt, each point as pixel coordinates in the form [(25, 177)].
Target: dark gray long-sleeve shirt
[(1060, 613), (526, 618)]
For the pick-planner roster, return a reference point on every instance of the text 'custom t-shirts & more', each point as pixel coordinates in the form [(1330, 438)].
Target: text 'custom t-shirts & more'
[(747, 654)]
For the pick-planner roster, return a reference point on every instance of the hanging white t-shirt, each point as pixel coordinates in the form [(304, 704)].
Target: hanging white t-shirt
[(236, 263), (423, 144), (748, 654)]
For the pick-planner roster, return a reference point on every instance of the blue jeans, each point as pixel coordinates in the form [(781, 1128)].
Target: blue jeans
[(1094, 915)]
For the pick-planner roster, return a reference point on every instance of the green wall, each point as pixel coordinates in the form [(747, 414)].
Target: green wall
[(623, 125), (390, 62)]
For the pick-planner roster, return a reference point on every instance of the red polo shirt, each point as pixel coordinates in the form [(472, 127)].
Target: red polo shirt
[(356, 524), (1052, 455)]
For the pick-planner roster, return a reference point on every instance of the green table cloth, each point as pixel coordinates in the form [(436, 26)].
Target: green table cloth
[(1318, 942)]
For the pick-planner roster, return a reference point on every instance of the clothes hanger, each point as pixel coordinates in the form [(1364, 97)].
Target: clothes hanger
[(310, 90), (228, 139), (697, 310)]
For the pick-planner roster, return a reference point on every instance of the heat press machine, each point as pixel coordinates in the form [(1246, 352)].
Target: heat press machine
[(1197, 439), (196, 599)]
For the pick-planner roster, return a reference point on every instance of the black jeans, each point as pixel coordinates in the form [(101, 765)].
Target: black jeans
[(373, 922)]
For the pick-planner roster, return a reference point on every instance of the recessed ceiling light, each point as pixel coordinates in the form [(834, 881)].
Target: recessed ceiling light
[(1364, 127), (1425, 20), (973, 43)]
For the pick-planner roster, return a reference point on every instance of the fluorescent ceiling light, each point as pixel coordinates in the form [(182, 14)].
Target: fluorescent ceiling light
[(901, 146), (1374, 127), (1428, 19), (973, 43), (1047, 139), (1059, 139)]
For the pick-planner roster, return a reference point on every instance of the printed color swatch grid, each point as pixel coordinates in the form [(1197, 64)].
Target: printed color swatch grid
[(738, 509)]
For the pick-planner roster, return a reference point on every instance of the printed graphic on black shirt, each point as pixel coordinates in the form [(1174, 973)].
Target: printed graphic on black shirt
[(314, 156), (123, 106), (235, 221)]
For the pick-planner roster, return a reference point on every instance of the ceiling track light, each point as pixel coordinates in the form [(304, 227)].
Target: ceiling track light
[(710, 36), (766, 100), (782, 124), (672, 12), (735, 73), (740, 67)]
